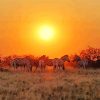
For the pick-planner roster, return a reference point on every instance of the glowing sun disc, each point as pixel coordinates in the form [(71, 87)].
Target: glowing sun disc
[(46, 32)]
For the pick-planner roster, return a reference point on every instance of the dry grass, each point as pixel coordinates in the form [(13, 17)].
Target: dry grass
[(69, 85)]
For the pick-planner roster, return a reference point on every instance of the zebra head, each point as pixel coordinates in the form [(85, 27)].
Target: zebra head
[(65, 58)]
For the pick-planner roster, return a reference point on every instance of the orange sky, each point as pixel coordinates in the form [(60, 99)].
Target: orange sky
[(77, 25)]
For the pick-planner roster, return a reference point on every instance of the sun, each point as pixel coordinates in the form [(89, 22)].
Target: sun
[(46, 32)]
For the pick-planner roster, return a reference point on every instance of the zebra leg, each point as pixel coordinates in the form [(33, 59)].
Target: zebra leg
[(22, 68), (63, 67), (30, 68), (58, 67), (83, 65), (43, 67), (54, 68), (14, 68), (35, 68)]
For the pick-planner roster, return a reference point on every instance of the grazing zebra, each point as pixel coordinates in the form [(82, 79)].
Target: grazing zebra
[(83, 63), (22, 63), (42, 64), (58, 63)]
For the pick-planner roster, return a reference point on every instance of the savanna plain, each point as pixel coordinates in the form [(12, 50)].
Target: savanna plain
[(73, 84)]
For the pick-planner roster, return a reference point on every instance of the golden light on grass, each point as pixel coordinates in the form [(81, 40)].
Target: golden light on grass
[(46, 32)]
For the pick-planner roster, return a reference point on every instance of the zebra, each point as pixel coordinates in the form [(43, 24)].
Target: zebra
[(22, 63)]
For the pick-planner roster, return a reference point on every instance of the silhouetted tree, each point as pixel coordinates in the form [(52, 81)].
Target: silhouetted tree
[(93, 56), (90, 53)]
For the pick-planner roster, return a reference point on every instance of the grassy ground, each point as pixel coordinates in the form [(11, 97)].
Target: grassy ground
[(68, 85)]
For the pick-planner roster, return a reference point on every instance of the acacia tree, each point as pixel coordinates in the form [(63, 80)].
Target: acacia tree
[(90, 53)]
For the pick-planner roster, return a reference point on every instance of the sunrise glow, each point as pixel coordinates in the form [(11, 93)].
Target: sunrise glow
[(46, 32), (49, 27)]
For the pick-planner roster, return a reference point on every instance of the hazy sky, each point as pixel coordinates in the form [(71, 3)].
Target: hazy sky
[(77, 25)]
